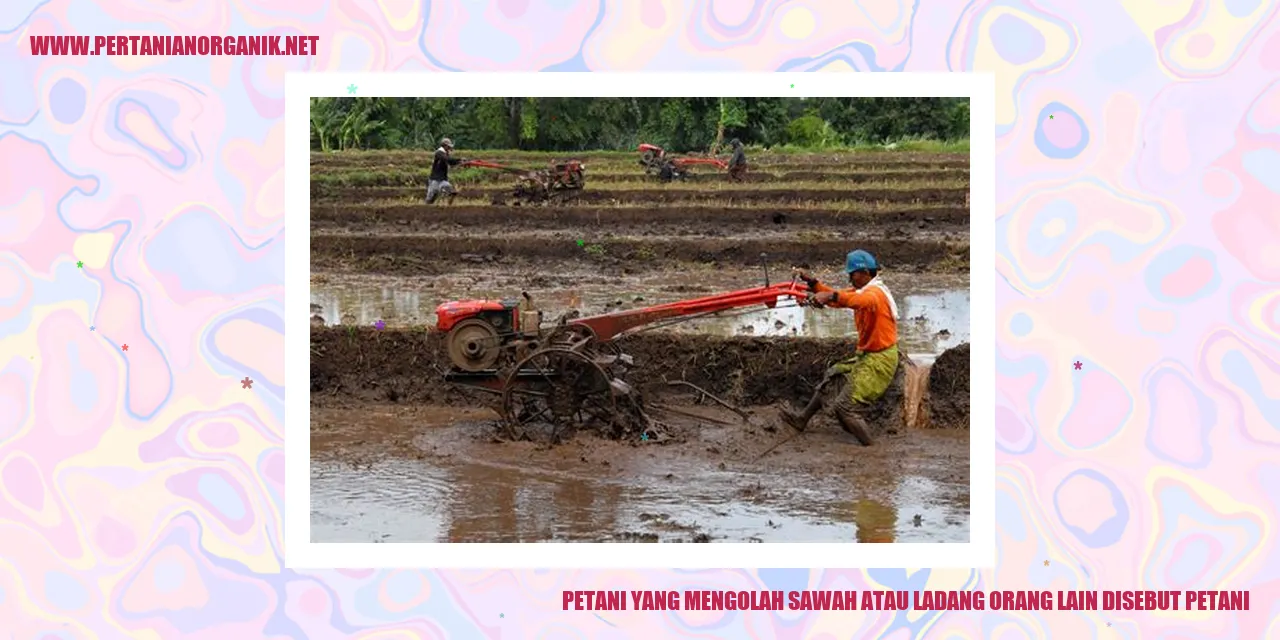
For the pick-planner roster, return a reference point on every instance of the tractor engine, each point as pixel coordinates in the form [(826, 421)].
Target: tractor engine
[(478, 331)]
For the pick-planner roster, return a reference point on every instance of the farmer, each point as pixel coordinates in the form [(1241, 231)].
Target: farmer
[(738, 162), (868, 374), (669, 170), (438, 183)]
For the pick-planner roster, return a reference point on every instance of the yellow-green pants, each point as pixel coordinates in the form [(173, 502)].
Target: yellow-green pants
[(869, 374)]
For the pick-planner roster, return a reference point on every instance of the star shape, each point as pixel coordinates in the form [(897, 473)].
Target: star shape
[(124, 347), (380, 325), (79, 264), (580, 243), (1078, 365), (1108, 624), (501, 615), (1050, 117), (246, 383), (1046, 563), (644, 436), (91, 327), (351, 88)]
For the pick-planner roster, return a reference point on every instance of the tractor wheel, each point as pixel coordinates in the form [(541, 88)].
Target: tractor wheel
[(648, 161), (555, 392)]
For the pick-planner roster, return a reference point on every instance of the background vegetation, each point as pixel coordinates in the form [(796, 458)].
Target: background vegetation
[(677, 124)]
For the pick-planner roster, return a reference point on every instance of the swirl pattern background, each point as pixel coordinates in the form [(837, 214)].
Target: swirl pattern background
[(1138, 231)]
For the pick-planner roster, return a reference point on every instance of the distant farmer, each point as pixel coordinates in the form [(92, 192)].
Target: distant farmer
[(873, 366), (438, 182), (737, 163)]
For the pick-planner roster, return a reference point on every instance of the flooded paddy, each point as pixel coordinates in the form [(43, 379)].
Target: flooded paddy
[(433, 480), (401, 455)]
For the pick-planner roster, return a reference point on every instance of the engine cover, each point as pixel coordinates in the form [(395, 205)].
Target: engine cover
[(451, 313)]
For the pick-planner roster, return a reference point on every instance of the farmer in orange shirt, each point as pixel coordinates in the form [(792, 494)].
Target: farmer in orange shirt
[(868, 374)]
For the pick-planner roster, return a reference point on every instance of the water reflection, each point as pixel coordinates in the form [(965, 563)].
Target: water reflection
[(933, 318), (414, 501)]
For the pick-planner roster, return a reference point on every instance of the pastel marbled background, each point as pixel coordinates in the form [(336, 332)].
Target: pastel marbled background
[(1138, 231)]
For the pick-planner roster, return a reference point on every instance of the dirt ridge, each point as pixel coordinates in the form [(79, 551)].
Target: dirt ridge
[(327, 194), (687, 220), (359, 365), (433, 254)]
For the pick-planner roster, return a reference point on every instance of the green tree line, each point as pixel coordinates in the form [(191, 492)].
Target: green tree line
[(588, 124)]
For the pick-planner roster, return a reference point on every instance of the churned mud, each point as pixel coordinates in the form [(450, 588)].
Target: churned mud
[(324, 193), (948, 389), (399, 455), (368, 365), (706, 220), (410, 473)]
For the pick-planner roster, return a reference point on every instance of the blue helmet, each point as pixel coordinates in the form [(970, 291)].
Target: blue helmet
[(859, 260)]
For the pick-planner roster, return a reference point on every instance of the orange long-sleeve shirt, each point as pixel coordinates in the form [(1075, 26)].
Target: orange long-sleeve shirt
[(872, 315)]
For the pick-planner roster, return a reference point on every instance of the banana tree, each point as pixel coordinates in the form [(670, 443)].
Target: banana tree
[(357, 127), (325, 122)]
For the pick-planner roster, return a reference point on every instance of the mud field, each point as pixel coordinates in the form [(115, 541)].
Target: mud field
[(399, 455)]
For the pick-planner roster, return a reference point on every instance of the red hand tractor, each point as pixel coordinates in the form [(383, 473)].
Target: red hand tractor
[(566, 376), (541, 184), (654, 159)]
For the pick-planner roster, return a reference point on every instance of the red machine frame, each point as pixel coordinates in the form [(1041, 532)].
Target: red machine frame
[(653, 157), (571, 368), (540, 184)]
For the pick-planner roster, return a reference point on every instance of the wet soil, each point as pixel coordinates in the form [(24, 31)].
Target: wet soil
[(706, 220), (400, 455), (324, 193), (427, 474), (437, 254), (394, 366), (948, 389), (406, 366)]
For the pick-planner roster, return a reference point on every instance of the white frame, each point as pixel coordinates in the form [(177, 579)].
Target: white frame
[(979, 552)]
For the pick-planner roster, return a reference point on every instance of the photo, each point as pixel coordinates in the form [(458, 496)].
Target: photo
[(715, 319)]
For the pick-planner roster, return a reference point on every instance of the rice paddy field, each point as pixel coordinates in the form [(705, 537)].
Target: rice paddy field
[(398, 455)]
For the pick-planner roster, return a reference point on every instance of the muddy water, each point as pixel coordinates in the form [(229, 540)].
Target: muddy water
[(398, 500), (934, 308), (441, 484)]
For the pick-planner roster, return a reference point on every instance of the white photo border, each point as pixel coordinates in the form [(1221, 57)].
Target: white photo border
[(301, 552)]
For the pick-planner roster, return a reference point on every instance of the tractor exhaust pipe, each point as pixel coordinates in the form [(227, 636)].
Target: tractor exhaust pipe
[(764, 260)]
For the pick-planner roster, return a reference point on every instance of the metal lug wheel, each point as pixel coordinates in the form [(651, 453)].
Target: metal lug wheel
[(553, 393)]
